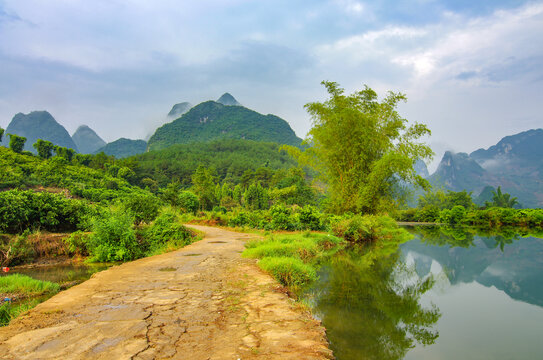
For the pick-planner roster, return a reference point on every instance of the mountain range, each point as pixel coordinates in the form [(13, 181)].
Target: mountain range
[(515, 163)]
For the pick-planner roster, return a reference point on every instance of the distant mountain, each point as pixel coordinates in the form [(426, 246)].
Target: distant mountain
[(86, 140), (421, 169), (515, 163), (212, 120), (38, 125), (123, 147), (227, 99), (179, 109)]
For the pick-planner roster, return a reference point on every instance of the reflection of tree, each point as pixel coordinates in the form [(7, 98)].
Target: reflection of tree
[(369, 310)]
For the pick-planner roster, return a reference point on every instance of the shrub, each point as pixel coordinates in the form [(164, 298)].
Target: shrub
[(114, 238), (144, 207), (369, 228), (281, 218), (310, 218), (167, 232), (188, 202)]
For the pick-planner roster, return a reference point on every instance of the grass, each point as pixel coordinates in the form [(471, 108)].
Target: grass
[(11, 311), (292, 258), (25, 285)]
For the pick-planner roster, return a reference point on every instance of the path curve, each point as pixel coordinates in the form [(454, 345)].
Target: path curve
[(201, 302)]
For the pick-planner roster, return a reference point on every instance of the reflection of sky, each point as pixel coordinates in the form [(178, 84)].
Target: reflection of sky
[(479, 320)]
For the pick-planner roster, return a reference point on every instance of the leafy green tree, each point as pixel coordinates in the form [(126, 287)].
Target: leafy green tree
[(256, 197), (171, 193), (504, 200), (16, 143), (362, 148), (237, 194), (188, 202), (65, 153), (1, 134), (44, 148), (204, 187)]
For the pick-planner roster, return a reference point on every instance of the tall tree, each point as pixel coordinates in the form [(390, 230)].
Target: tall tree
[(204, 186), (16, 143), (44, 148), (362, 148), (504, 200), (1, 134)]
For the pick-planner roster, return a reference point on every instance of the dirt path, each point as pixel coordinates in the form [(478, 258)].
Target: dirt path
[(201, 302)]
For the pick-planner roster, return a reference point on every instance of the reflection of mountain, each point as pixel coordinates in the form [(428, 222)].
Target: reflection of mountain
[(518, 270)]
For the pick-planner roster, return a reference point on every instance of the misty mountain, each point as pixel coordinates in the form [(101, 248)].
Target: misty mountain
[(227, 99), (86, 140), (179, 109), (515, 163), (123, 147), (212, 120), (38, 125), (421, 169)]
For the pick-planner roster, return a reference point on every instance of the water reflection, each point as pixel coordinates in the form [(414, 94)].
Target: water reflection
[(455, 289), (488, 258), (369, 304)]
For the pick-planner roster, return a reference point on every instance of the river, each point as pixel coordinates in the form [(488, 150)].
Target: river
[(446, 294)]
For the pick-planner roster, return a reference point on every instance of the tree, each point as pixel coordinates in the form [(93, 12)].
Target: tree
[(204, 187), (16, 143), (44, 148), (65, 153), (504, 200), (1, 134), (362, 149)]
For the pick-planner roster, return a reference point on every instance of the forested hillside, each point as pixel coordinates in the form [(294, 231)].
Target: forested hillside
[(211, 120)]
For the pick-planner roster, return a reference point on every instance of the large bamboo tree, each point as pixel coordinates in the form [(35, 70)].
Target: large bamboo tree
[(362, 148)]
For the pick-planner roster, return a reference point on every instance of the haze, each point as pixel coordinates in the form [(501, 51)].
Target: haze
[(472, 70)]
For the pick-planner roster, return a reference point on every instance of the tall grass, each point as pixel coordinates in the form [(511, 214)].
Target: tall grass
[(25, 285)]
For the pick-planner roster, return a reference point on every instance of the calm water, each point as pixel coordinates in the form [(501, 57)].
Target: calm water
[(61, 273), (446, 294)]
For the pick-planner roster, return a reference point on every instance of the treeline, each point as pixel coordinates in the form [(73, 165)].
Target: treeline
[(458, 208)]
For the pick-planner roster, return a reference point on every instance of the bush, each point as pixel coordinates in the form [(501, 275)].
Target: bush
[(21, 210), (114, 238), (167, 232), (188, 202), (281, 218), (144, 207), (310, 218), (369, 229)]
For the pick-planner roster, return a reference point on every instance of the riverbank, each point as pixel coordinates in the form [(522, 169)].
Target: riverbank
[(203, 300)]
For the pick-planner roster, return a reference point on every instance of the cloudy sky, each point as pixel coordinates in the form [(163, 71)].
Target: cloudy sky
[(472, 70)]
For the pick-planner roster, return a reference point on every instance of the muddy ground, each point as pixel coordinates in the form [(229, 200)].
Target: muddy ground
[(201, 302)]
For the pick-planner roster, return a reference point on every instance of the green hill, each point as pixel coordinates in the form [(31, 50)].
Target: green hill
[(38, 125), (123, 147), (230, 157), (211, 120), (86, 140)]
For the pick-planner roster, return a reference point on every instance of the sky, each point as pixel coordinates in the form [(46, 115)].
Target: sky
[(472, 70)]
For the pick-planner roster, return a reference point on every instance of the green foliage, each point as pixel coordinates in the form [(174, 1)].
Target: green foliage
[(44, 148), (281, 218), (143, 207), (211, 121), (114, 238), (231, 158), (1, 134), (23, 284), (369, 229), (16, 143), (65, 153), (290, 272), (256, 197), (204, 186), (16, 250), (77, 243), (167, 232), (310, 218), (20, 210), (188, 202), (362, 148), (503, 200)]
